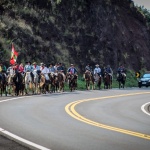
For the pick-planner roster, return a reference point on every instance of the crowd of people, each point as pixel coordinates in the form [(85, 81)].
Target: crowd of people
[(58, 67)]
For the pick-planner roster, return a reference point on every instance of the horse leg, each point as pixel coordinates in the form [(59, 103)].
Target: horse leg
[(1, 91), (17, 89), (9, 87), (88, 86), (119, 84), (123, 83), (6, 91)]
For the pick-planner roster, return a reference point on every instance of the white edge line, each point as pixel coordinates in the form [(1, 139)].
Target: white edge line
[(33, 145), (143, 108)]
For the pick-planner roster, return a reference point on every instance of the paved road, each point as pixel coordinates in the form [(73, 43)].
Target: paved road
[(101, 123), (9, 144)]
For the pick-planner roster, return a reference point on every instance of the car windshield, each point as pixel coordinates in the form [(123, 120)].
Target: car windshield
[(146, 76)]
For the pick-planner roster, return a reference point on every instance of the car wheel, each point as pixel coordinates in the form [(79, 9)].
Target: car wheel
[(147, 86), (140, 86)]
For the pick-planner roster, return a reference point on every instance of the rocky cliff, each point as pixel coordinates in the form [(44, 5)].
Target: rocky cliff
[(75, 31)]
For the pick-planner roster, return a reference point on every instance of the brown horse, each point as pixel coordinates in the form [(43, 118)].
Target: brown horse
[(44, 83), (107, 81), (54, 85), (72, 80), (89, 79), (61, 82)]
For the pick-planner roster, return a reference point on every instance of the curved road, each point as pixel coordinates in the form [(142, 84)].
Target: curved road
[(81, 120)]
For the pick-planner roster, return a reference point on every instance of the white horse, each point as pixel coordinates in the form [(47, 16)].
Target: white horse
[(10, 87), (28, 82)]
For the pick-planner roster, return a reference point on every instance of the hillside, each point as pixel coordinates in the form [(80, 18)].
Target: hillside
[(75, 31)]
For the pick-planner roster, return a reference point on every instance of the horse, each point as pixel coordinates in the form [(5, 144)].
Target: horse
[(54, 84), (28, 82), (18, 83), (10, 84), (107, 79), (44, 83), (98, 80), (61, 79), (72, 79), (36, 80), (3, 84), (121, 79), (89, 79)]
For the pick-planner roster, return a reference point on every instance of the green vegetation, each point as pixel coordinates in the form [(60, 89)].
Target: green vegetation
[(145, 12)]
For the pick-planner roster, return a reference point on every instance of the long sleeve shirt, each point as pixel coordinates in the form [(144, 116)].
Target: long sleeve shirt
[(72, 70), (44, 70), (28, 68), (97, 70)]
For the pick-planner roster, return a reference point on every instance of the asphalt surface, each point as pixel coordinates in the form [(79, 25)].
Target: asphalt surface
[(54, 106), (9, 144)]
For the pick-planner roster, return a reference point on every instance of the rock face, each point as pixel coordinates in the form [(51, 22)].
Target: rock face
[(76, 31)]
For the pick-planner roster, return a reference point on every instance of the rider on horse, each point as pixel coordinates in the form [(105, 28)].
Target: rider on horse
[(21, 69), (29, 68), (60, 69), (109, 70), (36, 67), (10, 70), (44, 70), (88, 68), (120, 70), (51, 68), (97, 70), (72, 69)]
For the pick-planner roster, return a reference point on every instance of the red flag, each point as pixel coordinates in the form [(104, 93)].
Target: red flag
[(14, 55)]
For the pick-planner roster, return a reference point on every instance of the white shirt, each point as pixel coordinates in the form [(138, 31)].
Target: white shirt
[(10, 70), (44, 70)]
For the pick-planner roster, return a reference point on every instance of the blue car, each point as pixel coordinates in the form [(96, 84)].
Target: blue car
[(144, 81)]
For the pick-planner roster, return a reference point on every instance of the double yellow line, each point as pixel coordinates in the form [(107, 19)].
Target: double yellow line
[(70, 109)]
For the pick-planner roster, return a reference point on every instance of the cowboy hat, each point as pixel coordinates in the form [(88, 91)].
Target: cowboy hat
[(97, 65), (71, 65), (34, 63)]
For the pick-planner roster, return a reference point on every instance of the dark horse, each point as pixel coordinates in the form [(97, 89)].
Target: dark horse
[(107, 81), (72, 79), (3, 84), (89, 79), (18, 82), (121, 79)]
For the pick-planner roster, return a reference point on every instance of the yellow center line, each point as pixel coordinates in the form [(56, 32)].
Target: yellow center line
[(70, 109)]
